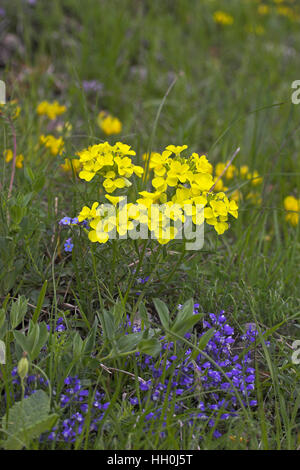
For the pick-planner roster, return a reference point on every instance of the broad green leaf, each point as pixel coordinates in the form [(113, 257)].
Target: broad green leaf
[(151, 346), (77, 346), (128, 342), (27, 420), (186, 312), (203, 342), (18, 311), (42, 339), (181, 327), (107, 323), (34, 341), (163, 312)]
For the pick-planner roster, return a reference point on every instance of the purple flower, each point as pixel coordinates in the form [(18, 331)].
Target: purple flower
[(68, 245), (92, 85), (65, 221)]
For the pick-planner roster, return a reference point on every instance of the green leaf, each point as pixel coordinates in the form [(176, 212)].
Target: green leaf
[(186, 312), (77, 346), (34, 341), (128, 342), (163, 312), (203, 342), (18, 311), (39, 303), (151, 346), (108, 325), (2, 316), (118, 312), (21, 339), (43, 337), (27, 420), (144, 315), (29, 175), (39, 183), (89, 342), (182, 326)]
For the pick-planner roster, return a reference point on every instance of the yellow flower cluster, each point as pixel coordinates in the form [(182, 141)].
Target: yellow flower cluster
[(183, 187), (109, 124), (223, 18), (242, 173), (111, 162), (292, 206), (51, 110), (189, 182), (8, 155), (55, 145)]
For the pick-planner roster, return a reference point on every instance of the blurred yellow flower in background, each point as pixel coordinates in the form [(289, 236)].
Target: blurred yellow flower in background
[(220, 17), (70, 164), (292, 205), (8, 155), (109, 124), (51, 110)]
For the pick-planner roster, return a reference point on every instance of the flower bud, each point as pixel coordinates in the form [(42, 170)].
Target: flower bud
[(23, 366)]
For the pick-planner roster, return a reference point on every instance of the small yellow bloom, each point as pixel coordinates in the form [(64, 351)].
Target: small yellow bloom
[(292, 205), (71, 165), (51, 110), (56, 146), (8, 155), (220, 17), (109, 124)]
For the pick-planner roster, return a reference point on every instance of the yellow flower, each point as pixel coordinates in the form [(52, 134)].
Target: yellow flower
[(219, 185), (201, 182), (56, 146), (8, 155), (256, 179), (51, 110), (109, 124), (182, 185), (202, 164), (114, 200), (292, 205), (71, 165), (97, 158), (220, 17), (87, 213), (177, 171), (230, 172), (244, 171), (176, 149)]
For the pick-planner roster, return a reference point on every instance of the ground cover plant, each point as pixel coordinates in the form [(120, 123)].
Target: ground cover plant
[(128, 129)]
